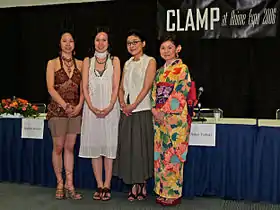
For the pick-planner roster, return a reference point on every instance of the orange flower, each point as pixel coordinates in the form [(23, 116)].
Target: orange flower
[(35, 108), (14, 104), (22, 101)]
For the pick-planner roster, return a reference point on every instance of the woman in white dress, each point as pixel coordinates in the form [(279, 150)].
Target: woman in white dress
[(99, 133)]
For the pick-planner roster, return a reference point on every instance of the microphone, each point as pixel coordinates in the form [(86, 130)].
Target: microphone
[(200, 91)]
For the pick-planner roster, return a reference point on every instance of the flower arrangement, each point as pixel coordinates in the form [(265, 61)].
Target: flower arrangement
[(18, 106)]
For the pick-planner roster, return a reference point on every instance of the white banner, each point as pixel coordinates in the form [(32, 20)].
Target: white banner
[(32, 128), (203, 135), (25, 3)]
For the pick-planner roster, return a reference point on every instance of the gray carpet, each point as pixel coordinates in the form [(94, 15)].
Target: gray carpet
[(26, 197)]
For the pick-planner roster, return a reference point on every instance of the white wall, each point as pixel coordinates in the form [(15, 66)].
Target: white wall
[(17, 3)]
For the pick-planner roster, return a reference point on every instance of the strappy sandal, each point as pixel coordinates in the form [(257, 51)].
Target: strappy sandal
[(98, 194), (72, 194), (141, 194), (70, 191), (106, 194), (59, 193), (131, 196)]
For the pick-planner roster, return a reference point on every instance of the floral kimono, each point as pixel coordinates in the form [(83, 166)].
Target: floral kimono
[(169, 95)]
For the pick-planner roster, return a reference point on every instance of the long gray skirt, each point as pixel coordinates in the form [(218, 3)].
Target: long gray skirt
[(135, 155)]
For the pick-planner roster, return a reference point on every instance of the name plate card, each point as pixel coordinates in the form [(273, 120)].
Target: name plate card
[(32, 128), (203, 135)]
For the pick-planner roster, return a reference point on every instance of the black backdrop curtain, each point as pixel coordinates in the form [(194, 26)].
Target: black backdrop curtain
[(30, 37), (239, 76)]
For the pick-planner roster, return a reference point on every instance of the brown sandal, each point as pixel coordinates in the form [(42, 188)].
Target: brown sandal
[(142, 195), (106, 194), (98, 194), (59, 193), (72, 194), (131, 195), (70, 191)]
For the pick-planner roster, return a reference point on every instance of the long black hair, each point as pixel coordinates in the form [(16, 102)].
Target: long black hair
[(67, 26), (59, 46)]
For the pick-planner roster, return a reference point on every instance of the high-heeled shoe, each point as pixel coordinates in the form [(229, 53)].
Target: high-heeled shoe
[(59, 193), (131, 196), (70, 191), (141, 194), (106, 194), (72, 194), (98, 194)]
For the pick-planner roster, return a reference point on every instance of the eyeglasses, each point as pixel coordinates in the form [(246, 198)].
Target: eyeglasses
[(133, 43)]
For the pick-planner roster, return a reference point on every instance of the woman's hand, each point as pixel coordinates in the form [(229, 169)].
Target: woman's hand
[(106, 111), (122, 105), (127, 110), (158, 115), (75, 110), (67, 108), (96, 111)]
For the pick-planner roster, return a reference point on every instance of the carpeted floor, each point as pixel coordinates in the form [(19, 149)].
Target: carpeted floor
[(26, 197)]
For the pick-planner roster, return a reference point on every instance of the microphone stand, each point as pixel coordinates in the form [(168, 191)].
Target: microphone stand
[(198, 118)]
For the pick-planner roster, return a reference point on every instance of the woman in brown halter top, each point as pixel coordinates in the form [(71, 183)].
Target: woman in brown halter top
[(64, 113)]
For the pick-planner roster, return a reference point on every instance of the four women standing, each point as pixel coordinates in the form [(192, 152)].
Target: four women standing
[(149, 137)]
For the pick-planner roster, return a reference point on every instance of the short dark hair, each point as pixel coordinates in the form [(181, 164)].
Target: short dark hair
[(136, 33)]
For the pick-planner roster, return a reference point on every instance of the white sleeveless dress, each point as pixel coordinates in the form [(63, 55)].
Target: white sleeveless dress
[(99, 136)]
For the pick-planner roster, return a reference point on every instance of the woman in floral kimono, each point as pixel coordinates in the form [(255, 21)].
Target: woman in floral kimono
[(170, 110)]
